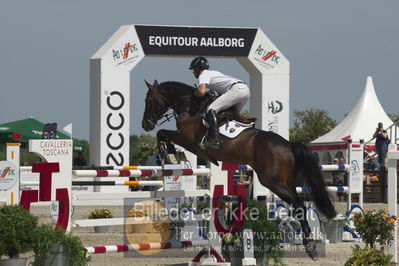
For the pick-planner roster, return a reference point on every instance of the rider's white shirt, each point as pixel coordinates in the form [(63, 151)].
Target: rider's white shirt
[(216, 81)]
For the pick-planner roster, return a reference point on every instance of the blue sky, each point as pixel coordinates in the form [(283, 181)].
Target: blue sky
[(332, 47)]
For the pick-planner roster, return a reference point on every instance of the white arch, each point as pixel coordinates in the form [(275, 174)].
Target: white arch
[(110, 70)]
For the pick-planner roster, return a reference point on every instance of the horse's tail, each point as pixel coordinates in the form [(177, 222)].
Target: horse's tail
[(308, 170)]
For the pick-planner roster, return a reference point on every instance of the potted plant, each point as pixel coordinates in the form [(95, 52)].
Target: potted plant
[(100, 214), (266, 235), (137, 228), (233, 249), (369, 256), (374, 227), (58, 248), (17, 233)]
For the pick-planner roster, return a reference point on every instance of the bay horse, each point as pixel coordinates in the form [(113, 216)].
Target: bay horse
[(280, 165)]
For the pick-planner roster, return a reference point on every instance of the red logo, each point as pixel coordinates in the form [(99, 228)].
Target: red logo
[(126, 51), (5, 172), (269, 55)]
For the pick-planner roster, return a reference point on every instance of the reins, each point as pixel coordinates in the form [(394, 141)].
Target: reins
[(174, 106)]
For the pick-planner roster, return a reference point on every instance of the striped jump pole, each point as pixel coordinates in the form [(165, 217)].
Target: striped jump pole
[(344, 189), (335, 167), (148, 246), (118, 183), (139, 173), (133, 167), (137, 167), (105, 183), (323, 168)]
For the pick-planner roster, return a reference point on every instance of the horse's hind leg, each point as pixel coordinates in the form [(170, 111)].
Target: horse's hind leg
[(299, 212)]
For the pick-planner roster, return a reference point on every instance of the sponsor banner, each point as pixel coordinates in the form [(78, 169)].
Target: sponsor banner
[(356, 174), (125, 52), (59, 151), (115, 120), (275, 109), (168, 40), (8, 175), (264, 54)]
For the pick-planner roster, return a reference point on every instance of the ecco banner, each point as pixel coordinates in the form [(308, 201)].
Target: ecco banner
[(164, 40)]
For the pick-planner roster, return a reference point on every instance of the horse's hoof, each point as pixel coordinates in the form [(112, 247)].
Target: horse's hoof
[(172, 159), (310, 248)]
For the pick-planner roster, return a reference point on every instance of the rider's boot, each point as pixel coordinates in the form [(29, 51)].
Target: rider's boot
[(213, 139)]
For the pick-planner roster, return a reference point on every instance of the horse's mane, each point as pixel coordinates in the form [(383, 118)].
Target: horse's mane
[(196, 105), (166, 84)]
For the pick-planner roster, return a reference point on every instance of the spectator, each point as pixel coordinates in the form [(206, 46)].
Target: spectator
[(381, 143), (338, 178), (374, 165), (247, 181), (79, 160), (154, 160)]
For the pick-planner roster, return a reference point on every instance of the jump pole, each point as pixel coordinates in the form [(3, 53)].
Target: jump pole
[(147, 246), (104, 183)]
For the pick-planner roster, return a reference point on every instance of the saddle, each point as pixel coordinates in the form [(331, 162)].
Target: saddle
[(230, 122), (231, 114)]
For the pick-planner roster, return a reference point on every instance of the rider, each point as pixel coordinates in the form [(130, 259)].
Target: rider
[(232, 91)]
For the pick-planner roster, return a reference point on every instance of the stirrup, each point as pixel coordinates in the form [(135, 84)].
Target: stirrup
[(212, 144)]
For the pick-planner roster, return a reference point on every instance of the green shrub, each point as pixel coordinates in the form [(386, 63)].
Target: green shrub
[(46, 238), (375, 226), (266, 233), (368, 256), (17, 231)]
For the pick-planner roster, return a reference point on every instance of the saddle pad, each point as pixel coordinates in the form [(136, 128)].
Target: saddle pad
[(233, 128)]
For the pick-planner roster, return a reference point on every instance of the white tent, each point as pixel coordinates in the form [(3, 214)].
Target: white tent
[(361, 121)]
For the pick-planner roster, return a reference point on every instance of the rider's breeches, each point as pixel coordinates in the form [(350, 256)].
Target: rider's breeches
[(237, 96)]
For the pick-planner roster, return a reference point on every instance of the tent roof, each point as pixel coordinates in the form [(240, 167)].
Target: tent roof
[(361, 121), (30, 128)]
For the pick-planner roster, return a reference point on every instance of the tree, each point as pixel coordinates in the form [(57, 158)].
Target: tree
[(141, 148), (310, 124), (84, 152), (394, 118)]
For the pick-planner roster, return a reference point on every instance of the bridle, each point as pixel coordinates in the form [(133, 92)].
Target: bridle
[(161, 113)]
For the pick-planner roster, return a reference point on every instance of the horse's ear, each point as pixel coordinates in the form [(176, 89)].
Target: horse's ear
[(148, 84), (156, 83)]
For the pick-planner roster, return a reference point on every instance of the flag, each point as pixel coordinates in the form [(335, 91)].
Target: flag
[(346, 138), (68, 129), (16, 136)]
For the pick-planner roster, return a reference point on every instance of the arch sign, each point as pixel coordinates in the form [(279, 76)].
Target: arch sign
[(110, 80)]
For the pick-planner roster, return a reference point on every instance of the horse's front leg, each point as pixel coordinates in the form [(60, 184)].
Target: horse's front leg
[(165, 137)]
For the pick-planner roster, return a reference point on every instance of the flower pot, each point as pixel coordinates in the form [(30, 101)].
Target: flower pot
[(58, 256), (235, 256), (137, 228), (13, 262), (334, 231), (101, 229)]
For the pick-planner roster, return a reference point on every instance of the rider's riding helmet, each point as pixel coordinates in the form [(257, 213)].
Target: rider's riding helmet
[(199, 63)]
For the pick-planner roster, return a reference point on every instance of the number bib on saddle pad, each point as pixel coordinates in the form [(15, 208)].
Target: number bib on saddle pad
[(233, 128)]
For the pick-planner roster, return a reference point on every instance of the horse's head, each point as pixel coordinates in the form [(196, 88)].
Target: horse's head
[(156, 106)]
